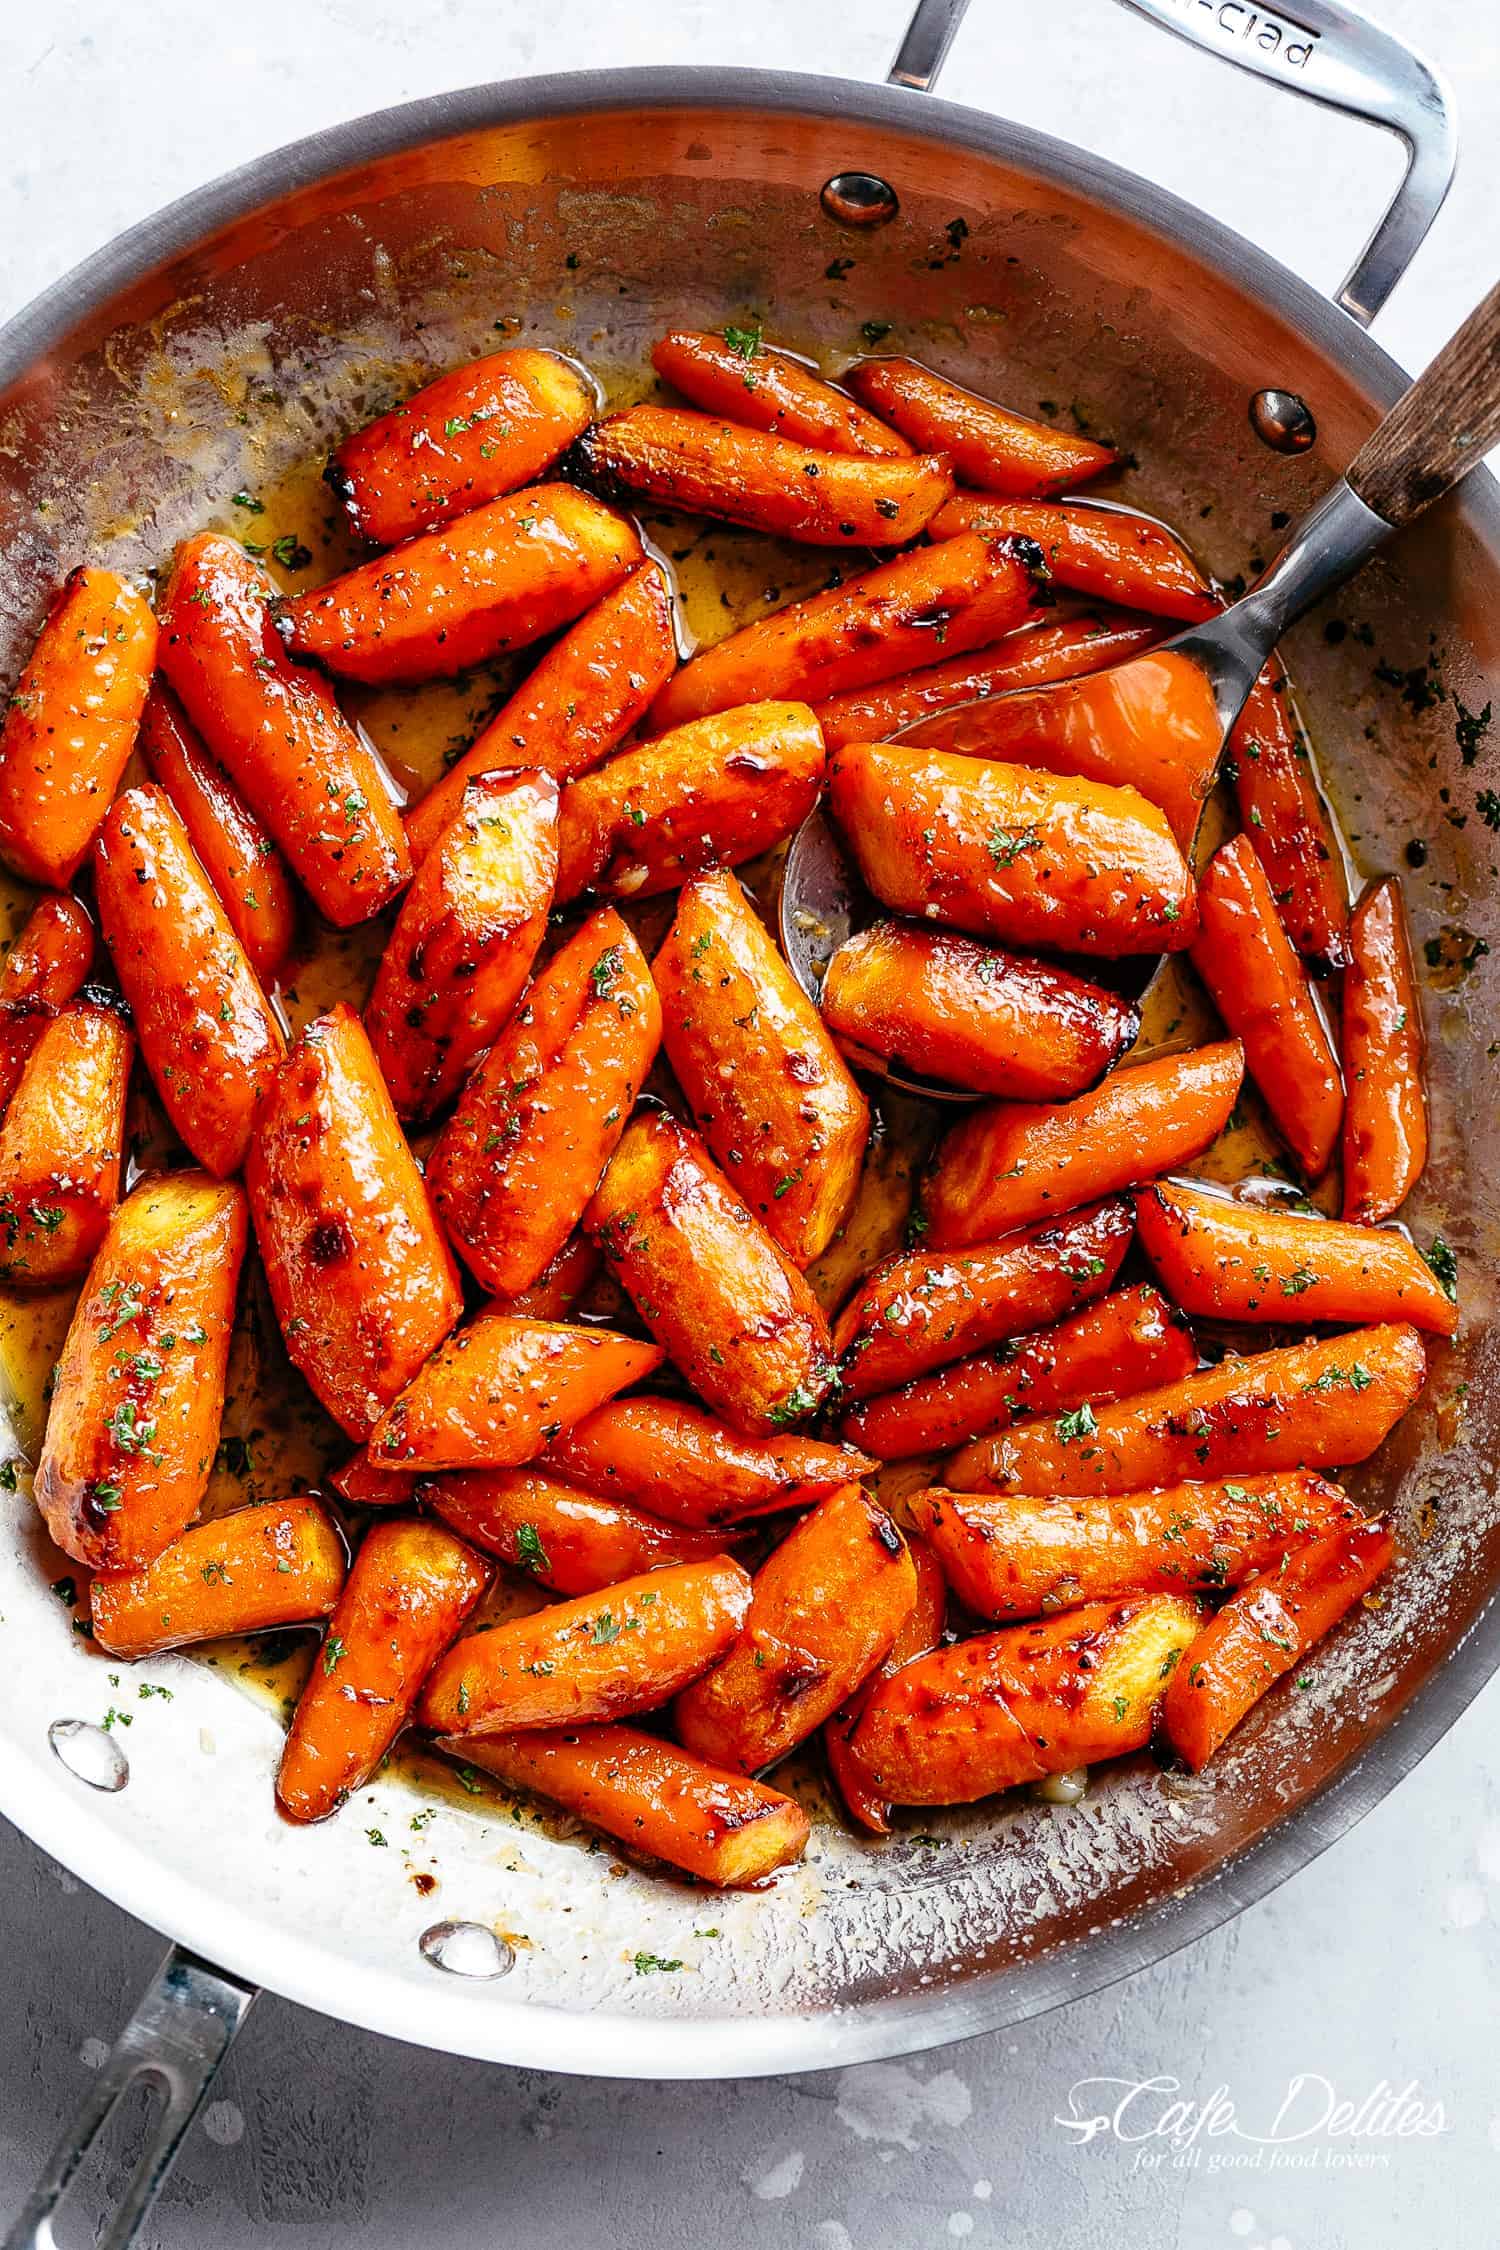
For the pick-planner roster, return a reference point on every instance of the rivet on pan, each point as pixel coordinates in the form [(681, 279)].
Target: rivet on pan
[(859, 199), (89, 1753), (1283, 421), (466, 1949)]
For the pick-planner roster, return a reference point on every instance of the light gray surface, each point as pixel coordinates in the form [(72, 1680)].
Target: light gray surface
[(1376, 1965)]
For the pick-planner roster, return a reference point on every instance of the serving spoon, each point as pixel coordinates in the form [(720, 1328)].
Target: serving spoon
[(1161, 721)]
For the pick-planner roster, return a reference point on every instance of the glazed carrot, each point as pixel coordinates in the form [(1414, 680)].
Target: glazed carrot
[(231, 843), (627, 1648), (70, 722), (1030, 1700), (917, 1310), (465, 938), (768, 1089), (710, 1283), (1312, 1405), (920, 609), (207, 1033), (139, 1389), (43, 971), (366, 1484), (824, 1609), (310, 776), (678, 1462), (559, 1536), (493, 1395), (1244, 1261), (279, 1564), (495, 580), (1107, 553), (650, 1795), (971, 1015), (709, 467), (362, 1282), (1021, 1557), (1385, 1100), (1260, 990), (991, 447), (578, 705), (409, 1592), (919, 1631), (476, 432), (1287, 822), (1264, 1630), (1028, 858), (1012, 1163), (711, 793), (543, 1114), (1131, 1340), (558, 1287), (61, 1146), (737, 375)]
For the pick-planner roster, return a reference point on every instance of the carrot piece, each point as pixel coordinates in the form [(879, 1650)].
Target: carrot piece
[(1260, 990), (738, 376), (627, 1648), (476, 432), (1385, 1100), (1031, 859), (231, 843), (281, 1563), (408, 1594), (70, 722), (1266, 1628), (1131, 1340), (493, 1395), (561, 1537), (496, 579), (919, 1631), (1012, 1163), (1025, 1557), (362, 1282), (1109, 554), (543, 1114), (44, 969), (650, 1795), (916, 1311), (710, 1283), (311, 776), (61, 1146), (712, 793), (558, 1287), (678, 1462), (1287, 823), (824, 1610), (1240, 1261), (465, 938), (971, 1015), (1312, 1405), (768, 1089), (991, 447), (366, 1484), (575, 707), (207, 1033), (920, 609), (139, 1392)]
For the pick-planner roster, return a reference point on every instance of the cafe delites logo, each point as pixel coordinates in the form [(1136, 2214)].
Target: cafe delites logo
[(1310, 2125)]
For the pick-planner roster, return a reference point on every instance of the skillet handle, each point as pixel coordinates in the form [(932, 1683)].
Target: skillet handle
[(175, 2041), (1325, 51)]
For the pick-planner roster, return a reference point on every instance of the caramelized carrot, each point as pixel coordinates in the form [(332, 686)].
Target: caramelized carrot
[(737, 375), (991, 447), (366, 1484), (919, 1631), (558, 1287), (61, 1146), (494, 1394), (680, 1463), (559, 1536), (43, 971), (1287, 822), (1385, 1100), (279, 1564), (1107, 553)]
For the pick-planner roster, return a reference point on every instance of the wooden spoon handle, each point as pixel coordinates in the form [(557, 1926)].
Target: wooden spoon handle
[(1438, 429)]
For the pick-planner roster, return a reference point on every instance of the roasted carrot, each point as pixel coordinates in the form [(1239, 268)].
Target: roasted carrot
[(44, 969), (139, 1390), (70, 722), (1260, 990), (1012, 1163), (61, 1146), (279, 1564), (710, 1283), (1264, 1630), (367, 1484), (544, 1112), (1312, 1405), (465, 938), (919, 1631), (310, 776), (1385, 1090), (824, 1610), (627, 1648), (680, 1463), (1287, 822), (1109, 554), (476, 432), (768, 1089), (561, 1537), (497, 579), (408, 1594), (493, 1395), (1031, 859), (362, 1282), (737, 375), (559, 1285), (991, 447)]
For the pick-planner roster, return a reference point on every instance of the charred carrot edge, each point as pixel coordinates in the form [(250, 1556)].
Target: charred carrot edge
[(990, 446), (1287, 823), (1108, 554), (919, 1631), (737, 375), (562, 1537), (62, 1144), (676, 1461), (282, 1563), (1385, 1097), (44, 970)]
